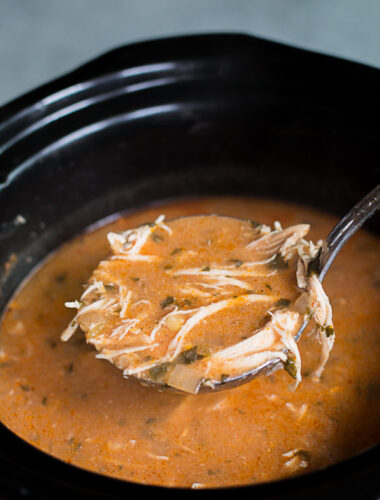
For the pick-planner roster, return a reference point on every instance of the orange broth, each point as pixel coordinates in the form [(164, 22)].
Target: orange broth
[(61, 399)]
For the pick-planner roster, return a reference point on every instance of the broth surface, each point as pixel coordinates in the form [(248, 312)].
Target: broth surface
[(61, 399)]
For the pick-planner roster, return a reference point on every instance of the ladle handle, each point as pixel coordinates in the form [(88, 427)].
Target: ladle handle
[(346, 227)]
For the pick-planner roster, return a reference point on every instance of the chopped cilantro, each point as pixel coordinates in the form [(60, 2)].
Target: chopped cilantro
[(74, 443), (176, 250), (278, 262), (190, 356), (290, 367), (313, 267), (254, 223), (61, 278), (69, 368), (303, 455), (167, 302), (159, 371), (282, 303), (186, 303), (329, 331)]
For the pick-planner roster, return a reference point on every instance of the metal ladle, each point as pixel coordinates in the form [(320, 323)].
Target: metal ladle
[(338, 236)]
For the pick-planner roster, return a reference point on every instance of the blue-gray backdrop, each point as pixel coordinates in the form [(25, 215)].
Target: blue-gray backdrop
[(40, 39)]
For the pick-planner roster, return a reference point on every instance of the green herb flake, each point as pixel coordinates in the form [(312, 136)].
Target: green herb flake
[(254, 223), (278, 262), (44, 400), (69, 368), (24, 387), (134, 278), (329, 330), (236, 262), (303, 455), (290, 367), (268, 286), (224, 377), (74, 443), (313, 267), (52, 343), (61, 278), (206, 269), (186, 303), (282, 303), (159, 371), (167, 302), (176, 250), (190, 356), (151, 420)]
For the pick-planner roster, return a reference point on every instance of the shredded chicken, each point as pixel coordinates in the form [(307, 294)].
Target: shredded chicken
[(156, 341), (315, 303), (279, 240), (298, 459), (263, 345)]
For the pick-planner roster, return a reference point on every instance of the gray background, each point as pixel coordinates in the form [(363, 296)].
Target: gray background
[(41, 39)]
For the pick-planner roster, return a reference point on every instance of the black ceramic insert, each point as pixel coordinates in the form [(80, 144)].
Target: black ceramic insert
[(180, 117)]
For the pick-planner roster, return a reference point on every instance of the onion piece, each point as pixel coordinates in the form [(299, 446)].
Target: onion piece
[(185, 378)]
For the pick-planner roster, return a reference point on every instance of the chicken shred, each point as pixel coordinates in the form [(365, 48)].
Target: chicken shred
[(134, 344)]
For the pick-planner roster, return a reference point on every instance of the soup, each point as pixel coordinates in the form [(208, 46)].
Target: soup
[(199, 301), (61, 399)]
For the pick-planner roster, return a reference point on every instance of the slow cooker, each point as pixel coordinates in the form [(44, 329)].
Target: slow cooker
[(181, 117)]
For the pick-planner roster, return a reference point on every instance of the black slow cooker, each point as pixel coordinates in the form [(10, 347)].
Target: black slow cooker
[(181, 117)]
